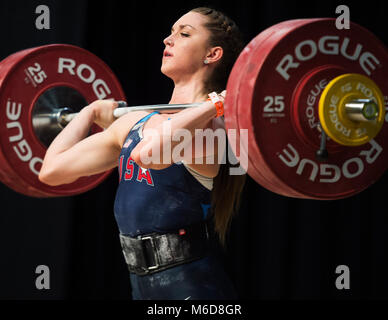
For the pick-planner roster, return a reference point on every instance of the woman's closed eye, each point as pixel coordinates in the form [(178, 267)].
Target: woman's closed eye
[(185, 34)]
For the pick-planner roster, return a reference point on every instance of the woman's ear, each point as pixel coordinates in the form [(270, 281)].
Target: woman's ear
[(214, 54)]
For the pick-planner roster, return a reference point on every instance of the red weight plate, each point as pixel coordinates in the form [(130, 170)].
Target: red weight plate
[(275, 104), (231, 114), (30, 80), (251, 51), (257, 162)]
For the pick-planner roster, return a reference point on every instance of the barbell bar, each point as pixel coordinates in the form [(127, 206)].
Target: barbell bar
[(123, 109), (357, 110)]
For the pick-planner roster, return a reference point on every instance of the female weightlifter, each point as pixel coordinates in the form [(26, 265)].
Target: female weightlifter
[(172, 216)]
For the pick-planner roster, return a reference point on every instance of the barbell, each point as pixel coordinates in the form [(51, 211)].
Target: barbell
[(312, 99)]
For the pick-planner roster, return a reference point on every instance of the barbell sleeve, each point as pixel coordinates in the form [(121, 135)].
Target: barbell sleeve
[(121, 110), (362, 110)]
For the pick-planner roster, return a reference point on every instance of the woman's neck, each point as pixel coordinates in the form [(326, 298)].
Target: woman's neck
[(188, 92)]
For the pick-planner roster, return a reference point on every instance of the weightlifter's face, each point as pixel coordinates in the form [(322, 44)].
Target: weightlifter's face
[(187, 45)]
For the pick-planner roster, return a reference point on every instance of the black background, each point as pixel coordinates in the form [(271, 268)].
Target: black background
[(278, 247)]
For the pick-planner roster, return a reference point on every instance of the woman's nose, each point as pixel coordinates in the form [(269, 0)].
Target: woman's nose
[(168, 41)]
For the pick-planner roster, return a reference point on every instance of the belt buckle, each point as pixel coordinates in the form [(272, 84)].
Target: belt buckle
[(156, 258)]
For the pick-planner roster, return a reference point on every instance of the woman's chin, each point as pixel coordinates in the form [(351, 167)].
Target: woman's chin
[(166, 71)]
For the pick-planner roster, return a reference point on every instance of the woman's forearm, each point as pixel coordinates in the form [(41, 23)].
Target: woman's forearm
[(75, 131), (191, 119), (188, 119), (72, 154)]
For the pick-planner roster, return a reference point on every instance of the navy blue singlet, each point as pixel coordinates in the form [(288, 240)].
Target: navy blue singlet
[(156, 200), (150, 200)]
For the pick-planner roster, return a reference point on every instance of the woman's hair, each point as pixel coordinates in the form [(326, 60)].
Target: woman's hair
[(227, 188)]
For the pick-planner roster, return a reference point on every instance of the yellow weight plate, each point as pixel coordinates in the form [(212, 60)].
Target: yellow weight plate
[(334, 118)]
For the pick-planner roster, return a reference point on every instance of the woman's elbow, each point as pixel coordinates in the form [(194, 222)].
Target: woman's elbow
[(46, 177), (137, 158), (149, 162), (51, 176)]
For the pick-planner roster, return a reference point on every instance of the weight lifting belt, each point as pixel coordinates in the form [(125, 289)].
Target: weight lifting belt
[(150, 253)]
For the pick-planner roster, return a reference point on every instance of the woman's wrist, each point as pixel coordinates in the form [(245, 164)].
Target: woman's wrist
[(218, 103), (89, 112), (211, 108)]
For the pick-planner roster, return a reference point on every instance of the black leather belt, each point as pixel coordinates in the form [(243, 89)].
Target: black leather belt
[(154, 252)]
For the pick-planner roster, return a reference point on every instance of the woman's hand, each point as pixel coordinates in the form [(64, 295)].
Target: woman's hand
[(222, 95), (103, 112)]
